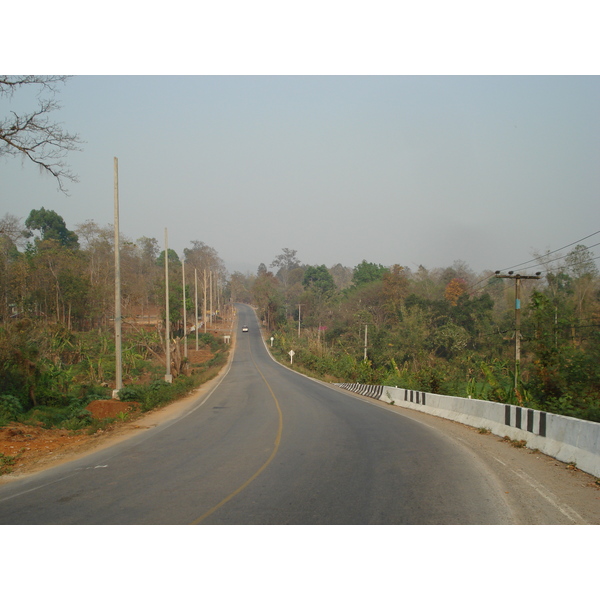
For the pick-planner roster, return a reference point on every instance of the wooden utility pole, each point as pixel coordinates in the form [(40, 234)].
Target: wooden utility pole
[(118, 316), (517, 279)]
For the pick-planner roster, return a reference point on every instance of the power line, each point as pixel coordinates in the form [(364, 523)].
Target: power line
[(554, 251), (538, 263), (585, 260), (477, 335)]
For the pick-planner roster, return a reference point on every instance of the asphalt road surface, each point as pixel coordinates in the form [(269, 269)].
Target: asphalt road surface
[(269, 446)]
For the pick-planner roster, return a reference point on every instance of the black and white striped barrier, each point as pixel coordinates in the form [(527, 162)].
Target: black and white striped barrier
[(371, 391), (376, 391), (416, 397), (567, 439), (527, 419)]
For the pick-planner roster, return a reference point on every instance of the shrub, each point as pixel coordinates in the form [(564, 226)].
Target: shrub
[(131, 393), (6, 463), (10, 408)]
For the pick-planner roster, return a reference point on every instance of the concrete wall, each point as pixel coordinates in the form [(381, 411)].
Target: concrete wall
[(565, 438)]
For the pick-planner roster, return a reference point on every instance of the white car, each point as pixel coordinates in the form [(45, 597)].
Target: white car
[(244, 328)]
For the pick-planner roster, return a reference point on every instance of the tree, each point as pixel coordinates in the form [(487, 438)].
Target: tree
[(474, 314), (580, 265), (267, 297), (318, 279), (97, 244), (148, 271), (11, 235), (201, 256), (57, 282), (580, 262), (11, 230), (51, 226), (455, 289), (239, 288), (206, 260), (342, 276), (286, 262), (367, 272), (33, 134), (395, 288), (173, 258), (57, 267), (149, 249)]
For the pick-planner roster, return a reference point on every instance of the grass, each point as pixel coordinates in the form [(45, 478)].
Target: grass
[(6, 463), (99, 425), (515, 443)]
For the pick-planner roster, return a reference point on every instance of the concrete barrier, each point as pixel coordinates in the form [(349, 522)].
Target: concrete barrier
[(372, 391), (564, 438)]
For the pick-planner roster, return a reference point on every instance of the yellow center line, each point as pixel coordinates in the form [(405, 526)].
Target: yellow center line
[(262, 468)]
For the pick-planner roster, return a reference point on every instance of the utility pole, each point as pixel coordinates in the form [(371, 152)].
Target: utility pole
[(204, 304), (219, 294), (168, 376), (365, 356), (517, 277), (185, 343), (196, 292), (118, 317), (299, 305)]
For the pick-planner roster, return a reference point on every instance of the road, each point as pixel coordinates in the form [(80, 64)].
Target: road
[(270, 446)]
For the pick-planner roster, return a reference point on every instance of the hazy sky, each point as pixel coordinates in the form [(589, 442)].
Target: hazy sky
[(392, 169)]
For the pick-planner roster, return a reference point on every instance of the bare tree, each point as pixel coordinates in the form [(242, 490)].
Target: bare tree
[(286, 262), (11, 229), (33, 134)]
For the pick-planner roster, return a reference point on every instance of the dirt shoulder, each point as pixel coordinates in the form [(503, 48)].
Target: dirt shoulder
[(32, 449)]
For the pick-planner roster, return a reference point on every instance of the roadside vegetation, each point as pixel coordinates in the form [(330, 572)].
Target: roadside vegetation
[(57, 347), (65, 371), (446, 331)]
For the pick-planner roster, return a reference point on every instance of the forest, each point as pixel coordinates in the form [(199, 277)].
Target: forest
[(444, 330)]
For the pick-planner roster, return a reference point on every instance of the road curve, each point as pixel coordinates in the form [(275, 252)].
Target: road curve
[(268, 446)]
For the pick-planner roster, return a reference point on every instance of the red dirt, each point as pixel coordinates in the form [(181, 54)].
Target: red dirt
[(34, 447), (109, 409), (30, 445)]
